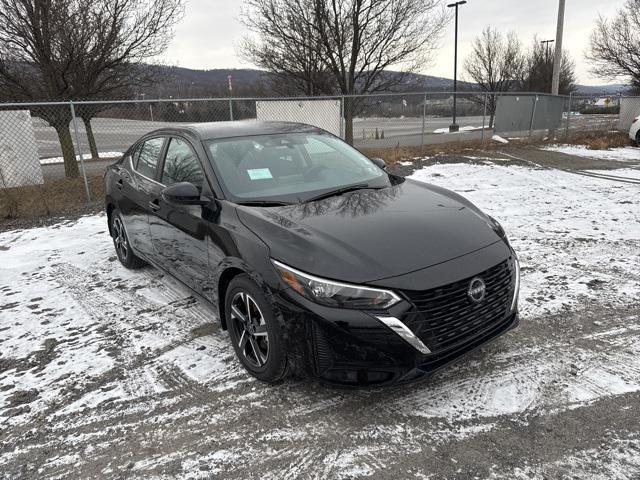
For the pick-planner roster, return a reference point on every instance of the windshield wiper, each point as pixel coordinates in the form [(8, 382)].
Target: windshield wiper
[(263, 203), (340, 191)]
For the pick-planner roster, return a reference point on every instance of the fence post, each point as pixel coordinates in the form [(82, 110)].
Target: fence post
[(424, 116), (79, 150), (484, 117), (151, 111), (230, 109), (342, 132), (533, 115), (566, 130)]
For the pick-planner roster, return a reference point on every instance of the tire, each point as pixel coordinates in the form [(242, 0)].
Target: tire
[(257, 338), (121, 243), (638, 139)]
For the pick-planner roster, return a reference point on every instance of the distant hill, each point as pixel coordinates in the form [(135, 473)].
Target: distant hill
[(602, 89), (184, 82), (181, 82)]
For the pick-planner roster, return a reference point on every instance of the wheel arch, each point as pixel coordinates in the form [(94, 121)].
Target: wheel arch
[(110, 208), (223, 283)]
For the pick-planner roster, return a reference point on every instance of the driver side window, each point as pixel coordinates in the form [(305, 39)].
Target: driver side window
[(145, 158), (181, 165)]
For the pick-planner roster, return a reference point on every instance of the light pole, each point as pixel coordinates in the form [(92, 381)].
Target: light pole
[(454, 126)]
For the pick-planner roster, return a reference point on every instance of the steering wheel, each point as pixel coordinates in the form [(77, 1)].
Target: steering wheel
[(314, 172)]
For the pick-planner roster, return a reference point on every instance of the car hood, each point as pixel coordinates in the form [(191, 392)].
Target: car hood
[(370, 235)]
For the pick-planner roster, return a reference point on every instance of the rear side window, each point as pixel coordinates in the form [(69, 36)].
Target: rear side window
[(181, 165), (146, 162)]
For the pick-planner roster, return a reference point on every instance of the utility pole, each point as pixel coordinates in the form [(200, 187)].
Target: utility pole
[(546, 50), (454, 126), (546, 60), (557, 60)]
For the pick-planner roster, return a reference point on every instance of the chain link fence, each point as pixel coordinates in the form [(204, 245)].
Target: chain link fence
[(629, 109), (53, 154)]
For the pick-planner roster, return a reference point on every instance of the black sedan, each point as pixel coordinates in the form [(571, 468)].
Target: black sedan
[(318, 260)]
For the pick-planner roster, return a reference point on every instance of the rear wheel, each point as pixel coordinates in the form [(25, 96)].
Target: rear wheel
[(121, 243), (638, 139), (254, 331)]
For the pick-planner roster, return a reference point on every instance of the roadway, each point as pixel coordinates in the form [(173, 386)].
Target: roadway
[(115, 135)]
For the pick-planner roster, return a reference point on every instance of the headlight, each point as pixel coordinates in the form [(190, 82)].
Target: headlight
[(516, 289), (335, 294)]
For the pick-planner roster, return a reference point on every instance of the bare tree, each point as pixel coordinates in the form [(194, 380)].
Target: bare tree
[(342, 46), (68, 49), (537, 73), (495, 64), (615, 45), (287, 46)]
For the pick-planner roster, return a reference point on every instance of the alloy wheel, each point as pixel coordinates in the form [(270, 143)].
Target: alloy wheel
[(250, 328), (120, 239)]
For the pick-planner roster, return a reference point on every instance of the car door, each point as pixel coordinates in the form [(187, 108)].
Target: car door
[(179, 232), (137, 185)]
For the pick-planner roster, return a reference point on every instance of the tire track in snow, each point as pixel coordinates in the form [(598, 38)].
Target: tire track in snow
[(112, 308)]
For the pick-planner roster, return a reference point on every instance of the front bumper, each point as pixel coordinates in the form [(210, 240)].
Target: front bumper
[(353, 348)]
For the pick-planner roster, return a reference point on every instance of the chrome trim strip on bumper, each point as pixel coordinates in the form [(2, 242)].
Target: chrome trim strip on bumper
[(516, 290), (403, 331)]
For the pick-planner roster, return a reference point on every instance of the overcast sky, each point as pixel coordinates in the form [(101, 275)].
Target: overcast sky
[(210, 31)]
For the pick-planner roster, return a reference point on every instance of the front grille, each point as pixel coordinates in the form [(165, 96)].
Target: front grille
[(448, 318)]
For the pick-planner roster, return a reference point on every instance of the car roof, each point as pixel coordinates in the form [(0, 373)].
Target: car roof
[(240, 128)]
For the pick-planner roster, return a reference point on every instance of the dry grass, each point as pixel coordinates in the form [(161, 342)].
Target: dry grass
[(53, 197), (594, 140), (393, 155)]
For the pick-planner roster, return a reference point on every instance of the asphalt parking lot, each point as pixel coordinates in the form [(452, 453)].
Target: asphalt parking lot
[(110, 373)]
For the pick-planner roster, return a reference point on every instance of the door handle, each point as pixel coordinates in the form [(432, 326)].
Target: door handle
[(154, 205)]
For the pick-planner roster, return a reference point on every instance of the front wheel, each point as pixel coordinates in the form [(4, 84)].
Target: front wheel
[(121, 243), (254, 331)]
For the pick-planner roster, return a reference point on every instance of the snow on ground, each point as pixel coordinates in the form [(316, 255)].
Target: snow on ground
[(60, 319), (468, 128), (85, 156), (632, 173), (624, 154), (105, 371), (577, 237), (618, 460)]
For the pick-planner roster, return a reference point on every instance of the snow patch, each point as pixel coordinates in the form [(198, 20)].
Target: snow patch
[(85, 156), (624, 154), (578, 237), (468, 128)]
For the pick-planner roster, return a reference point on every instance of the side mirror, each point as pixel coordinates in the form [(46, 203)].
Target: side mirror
[(183, 193), (380, 163)]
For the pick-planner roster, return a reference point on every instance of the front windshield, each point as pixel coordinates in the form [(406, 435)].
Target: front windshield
[(291, 167)]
